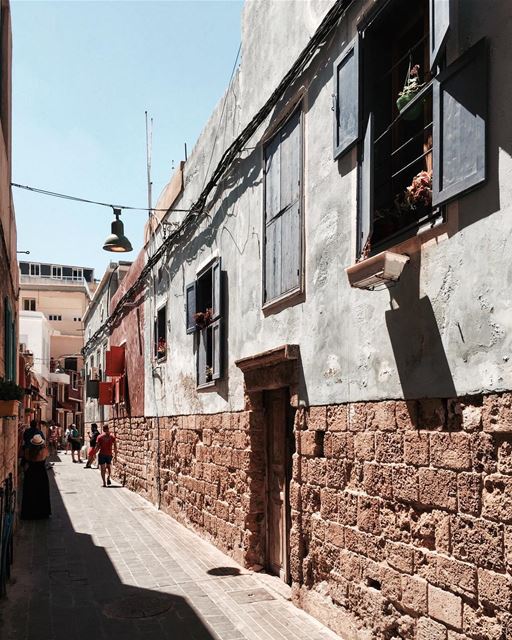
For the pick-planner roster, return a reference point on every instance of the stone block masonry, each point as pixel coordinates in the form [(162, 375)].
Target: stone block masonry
[(401, 516)]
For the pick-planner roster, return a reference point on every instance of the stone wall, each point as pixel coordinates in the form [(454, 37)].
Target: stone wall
[(401, 510), (8, 448)]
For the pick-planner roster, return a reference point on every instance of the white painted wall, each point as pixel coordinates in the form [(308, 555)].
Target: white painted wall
[(444, 330), (35, 332)]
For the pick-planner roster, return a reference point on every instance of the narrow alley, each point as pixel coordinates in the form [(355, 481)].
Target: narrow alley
[(109, 565)]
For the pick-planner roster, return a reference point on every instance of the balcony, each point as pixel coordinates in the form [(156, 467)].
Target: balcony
[(49, 281)]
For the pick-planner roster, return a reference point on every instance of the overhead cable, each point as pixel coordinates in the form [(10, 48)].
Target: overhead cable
[(318, 39)]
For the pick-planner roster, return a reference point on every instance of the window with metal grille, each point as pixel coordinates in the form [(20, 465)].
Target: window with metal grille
[(407, 112)]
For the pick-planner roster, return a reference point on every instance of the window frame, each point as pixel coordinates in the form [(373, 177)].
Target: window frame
[(56, 267), (214, 265), (78, 270), (288, 296), (32, 266), (29, 300), (156, 337)]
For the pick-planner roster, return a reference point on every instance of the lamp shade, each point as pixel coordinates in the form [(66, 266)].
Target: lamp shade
[(117, 241)]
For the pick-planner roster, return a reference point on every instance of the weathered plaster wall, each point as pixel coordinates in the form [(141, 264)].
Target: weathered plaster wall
[(443, 331), (130, 332)]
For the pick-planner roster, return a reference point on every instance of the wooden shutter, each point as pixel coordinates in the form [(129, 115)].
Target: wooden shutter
[(217, 288), (459, 129), (190, 306), (366, 188), (439, 13), (115, 361), (202, 340), (283, 222), (106, 393), (216, 329), (346, 98), (92, 388)]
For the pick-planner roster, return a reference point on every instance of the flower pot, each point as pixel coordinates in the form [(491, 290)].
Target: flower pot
[(9, 408), (412, 112)]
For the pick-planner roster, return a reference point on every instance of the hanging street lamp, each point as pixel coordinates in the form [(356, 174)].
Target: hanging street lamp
[(117, 241)]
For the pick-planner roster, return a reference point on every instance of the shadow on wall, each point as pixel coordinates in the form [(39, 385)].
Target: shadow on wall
[(419, 353), (74, 586)]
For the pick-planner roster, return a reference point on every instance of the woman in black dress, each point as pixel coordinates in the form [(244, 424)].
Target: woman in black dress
[(35, 504)]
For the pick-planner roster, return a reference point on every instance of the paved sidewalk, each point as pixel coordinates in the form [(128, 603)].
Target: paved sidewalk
[(108, 565)]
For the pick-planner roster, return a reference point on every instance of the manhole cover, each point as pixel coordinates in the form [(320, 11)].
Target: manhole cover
[(250, 595), (137, 606)]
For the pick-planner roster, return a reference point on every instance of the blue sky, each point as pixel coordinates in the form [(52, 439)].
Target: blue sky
[(84, 73)]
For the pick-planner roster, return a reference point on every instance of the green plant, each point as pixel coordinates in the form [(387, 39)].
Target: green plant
[(9, 390), (411, 87)]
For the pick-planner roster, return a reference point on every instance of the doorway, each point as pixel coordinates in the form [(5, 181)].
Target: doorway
[(279, 449)]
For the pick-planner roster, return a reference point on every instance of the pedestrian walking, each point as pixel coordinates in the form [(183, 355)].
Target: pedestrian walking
[(76, 445), (52, 439), (105, 444), (35, 502), (93, 437)]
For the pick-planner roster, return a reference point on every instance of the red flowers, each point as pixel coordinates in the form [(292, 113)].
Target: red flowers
[(419, 193)]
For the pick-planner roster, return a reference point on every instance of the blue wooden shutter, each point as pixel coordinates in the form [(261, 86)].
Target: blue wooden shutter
[(217, 348), (190, 306), (290, 177), (346, 98), (439, 14), (366, 187), (459, 129), (217, 288), (202, 345), (283, 221)]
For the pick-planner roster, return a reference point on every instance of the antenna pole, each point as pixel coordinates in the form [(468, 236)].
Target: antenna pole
[(149, 144)]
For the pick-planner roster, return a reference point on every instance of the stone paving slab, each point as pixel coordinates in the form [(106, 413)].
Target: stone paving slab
[(108, 557)]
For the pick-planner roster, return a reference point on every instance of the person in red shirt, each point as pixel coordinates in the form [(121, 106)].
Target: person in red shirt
[(105, 444)]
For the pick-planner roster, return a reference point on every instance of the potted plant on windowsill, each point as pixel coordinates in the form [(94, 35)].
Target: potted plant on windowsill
[(203, 318), (411, 88), (10, 397), (418, 195)]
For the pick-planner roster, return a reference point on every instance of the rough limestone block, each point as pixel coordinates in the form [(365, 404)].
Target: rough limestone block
[(389, 447), (378, 480), (497, 413), (431, 414), (469, 493), (445, 607), (505, 457), (497, 498), (478, 625), (414, 594), (368, 514), (416, 450), (381, 416), (337, 417), (484, 452), (405, 483), (364, 445), (459, 577), (316, 418), (495, 589), (400, 557), (438, 488), (450, 451), (406, 414), (478, 542), (427, 629)]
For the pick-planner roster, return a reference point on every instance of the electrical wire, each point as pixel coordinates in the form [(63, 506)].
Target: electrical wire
[(319, 38), (54, 194)]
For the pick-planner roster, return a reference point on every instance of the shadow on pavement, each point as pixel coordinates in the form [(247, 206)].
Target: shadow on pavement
[(67, 587)]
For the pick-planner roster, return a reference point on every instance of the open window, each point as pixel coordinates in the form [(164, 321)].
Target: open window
[(204, 319), (160, 334), (420, 125)]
